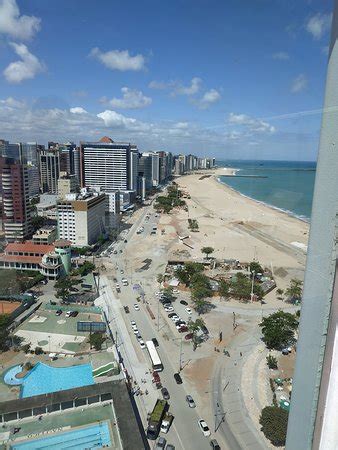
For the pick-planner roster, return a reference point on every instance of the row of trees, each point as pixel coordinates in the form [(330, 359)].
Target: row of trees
[(165, 203)]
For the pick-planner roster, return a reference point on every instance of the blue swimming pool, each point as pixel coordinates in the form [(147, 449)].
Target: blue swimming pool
[(10, 376), (95, 436), (43, 379)]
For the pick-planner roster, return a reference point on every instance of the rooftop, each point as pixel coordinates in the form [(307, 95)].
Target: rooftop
[(29, 247)]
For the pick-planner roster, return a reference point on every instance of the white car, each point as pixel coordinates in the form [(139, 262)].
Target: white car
[(136, 331), (168, 309), (142, 344), (204, 427), (188, 310), (176, 319), (133, 323), (158, 294), (136, 307), (134, 326), (68, 313)]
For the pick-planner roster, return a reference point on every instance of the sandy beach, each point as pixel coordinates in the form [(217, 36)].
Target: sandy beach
[(239, 227)]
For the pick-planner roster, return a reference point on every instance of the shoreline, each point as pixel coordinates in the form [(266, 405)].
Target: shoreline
[(241, 228), (260, 202)]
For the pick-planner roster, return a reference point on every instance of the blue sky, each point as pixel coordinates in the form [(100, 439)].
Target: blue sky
[(203, 76)]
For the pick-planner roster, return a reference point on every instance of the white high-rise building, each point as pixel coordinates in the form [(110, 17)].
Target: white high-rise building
[(109, 165)]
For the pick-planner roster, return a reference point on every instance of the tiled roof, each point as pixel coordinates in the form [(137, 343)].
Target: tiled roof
[(17, 258), (29, 247)]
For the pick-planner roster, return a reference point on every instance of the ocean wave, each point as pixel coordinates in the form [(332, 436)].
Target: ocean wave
[(285, 211)]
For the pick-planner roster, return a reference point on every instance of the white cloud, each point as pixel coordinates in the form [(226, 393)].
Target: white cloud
[(209, 97), (12, 103), (299, 83), (159, 85), (14, 25), (112, 119), (119, 59), (192, 89), (181, 125), (251, 123), (25, 69), (282, 56), (131, 99), (318, 25), (78, 110)]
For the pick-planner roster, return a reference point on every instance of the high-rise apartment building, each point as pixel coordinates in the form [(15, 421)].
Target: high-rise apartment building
[(49, 166), (16, 210), (109, 166)]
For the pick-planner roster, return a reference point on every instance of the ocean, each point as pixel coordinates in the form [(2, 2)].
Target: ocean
[(285, 185)]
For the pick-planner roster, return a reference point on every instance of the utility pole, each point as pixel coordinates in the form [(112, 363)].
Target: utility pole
[(252, 285), (180, 365)]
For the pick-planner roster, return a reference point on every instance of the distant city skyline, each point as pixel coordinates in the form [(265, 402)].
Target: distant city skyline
[(241, 80)]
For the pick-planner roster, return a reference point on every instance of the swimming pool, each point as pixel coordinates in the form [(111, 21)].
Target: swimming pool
[(43, 379), (95, 436), (10, 376)]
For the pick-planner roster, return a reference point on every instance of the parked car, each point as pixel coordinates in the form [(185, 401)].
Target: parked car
[(213, 444), (160, 445), (170, 447), (126, 309), (133, 322), (58, 312), (178, 378), (155, 341), (204, 329), (190, 401), (125, 241), (122, 271), (136, 307), (68, 313), (204, 427), (74, 313), (52, 302), (183, 302), (188, 310), (183, 329), (115, 252), (172, 315), (188, 336), (142, 344), (165, 393), (168, 309), (135, 330)]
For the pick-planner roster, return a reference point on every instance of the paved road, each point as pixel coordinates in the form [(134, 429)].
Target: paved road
[(184, 433)]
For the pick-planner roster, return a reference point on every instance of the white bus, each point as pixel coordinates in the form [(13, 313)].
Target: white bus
[(155, 359)]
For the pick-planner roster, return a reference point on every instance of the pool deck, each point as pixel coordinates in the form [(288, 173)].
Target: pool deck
[(66, 421)]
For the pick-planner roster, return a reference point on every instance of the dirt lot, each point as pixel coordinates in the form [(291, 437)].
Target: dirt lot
[(7, 307)]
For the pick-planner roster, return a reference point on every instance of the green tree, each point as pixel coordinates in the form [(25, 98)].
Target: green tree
[(201, 306), (280, 293), (256, 267), (86, 268), (207, 251), (5, 320), (194, 326), (294, 291), (168, 293), (224, 288), (63, 286), (37, 222), (183, 276), (96, 340), (279, 329), (274, 421), (160, 278), (272, 362)]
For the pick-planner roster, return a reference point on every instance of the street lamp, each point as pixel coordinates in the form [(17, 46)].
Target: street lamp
[(180, 358), (252, 285)]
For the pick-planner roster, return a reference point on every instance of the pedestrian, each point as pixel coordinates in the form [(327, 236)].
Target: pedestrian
[(240, 353)]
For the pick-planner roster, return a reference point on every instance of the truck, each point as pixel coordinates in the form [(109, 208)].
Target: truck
[(166, 422), (155, 418)]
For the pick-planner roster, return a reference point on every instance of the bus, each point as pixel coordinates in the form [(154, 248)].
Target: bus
[(155, 359)]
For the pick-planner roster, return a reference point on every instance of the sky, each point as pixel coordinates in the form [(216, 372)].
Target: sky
[(235, 79)]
